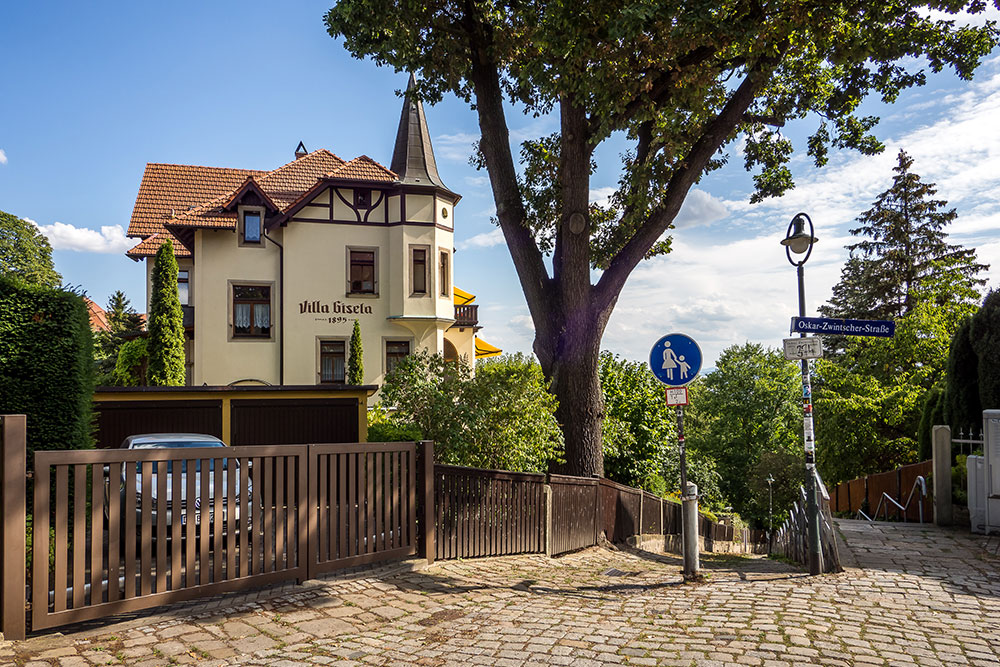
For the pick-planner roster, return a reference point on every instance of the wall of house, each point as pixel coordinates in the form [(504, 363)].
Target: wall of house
[(317, 304), (220, 359)]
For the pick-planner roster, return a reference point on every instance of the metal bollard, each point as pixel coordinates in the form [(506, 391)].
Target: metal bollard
[(689, 530)]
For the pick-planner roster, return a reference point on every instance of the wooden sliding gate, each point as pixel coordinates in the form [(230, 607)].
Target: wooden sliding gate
[(123, 530), (363, 502)]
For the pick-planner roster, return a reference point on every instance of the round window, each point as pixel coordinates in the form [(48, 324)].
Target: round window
[(444, 213)]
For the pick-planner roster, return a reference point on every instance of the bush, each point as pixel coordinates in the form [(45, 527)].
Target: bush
[(501, 418), (46, 364), (393, 432)]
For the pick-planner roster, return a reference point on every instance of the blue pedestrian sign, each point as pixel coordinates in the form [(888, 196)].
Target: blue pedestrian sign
[(675, 360)]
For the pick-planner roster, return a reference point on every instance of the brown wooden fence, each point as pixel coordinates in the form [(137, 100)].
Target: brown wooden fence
[(493, 513), (575, 512), (865, 493), (488, 512), (123, 530)]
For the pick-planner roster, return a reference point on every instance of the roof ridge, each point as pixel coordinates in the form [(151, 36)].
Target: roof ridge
[(203, 166), (300, 161)]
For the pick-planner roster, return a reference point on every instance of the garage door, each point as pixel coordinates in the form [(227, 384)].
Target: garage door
[(294, 422), (118, 419)]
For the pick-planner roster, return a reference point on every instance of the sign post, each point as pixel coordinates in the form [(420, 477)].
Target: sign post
[(675, 361)]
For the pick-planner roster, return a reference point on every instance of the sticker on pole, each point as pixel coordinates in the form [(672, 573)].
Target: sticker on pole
[(675, 360), (676, 396), (803, 348)]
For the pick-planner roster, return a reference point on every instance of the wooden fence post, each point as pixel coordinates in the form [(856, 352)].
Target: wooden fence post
[(941, 475), (13, 458), (548, 519), (425, 473)]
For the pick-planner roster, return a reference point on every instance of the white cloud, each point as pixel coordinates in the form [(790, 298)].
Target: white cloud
[(477, 181), (110, 240), (700, 208), (484, 240), (3, 157), (457, 147)]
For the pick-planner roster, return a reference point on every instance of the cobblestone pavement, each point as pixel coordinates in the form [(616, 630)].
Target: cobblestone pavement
[(910, 595)]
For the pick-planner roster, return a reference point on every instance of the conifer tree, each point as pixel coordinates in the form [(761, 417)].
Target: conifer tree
[(904, 255), (123, 324), (166, 322), (356, 362)]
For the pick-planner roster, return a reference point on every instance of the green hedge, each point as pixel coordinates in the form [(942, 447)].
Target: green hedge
[(46, 364)]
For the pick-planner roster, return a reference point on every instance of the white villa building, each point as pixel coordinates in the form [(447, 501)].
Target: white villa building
[(275, 266)]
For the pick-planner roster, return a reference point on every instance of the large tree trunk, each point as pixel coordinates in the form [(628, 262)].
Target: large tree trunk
[(572, 370)]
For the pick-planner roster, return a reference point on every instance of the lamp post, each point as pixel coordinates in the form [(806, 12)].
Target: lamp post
[(798, 241)]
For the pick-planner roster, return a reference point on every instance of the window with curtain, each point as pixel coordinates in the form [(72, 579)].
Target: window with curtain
[(332, 362), (251, 311), (251, 227)]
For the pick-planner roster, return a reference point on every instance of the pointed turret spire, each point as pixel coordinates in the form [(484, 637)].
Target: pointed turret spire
[(413, 156)]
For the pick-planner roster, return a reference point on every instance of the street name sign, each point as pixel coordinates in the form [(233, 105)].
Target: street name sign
[(676, 396), (803, 348), (828, 325), (675, 360)]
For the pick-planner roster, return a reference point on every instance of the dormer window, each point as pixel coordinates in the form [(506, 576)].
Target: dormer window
[(251, 226)]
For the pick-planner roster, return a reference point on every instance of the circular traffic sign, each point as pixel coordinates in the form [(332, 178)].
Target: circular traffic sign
[(675, 360)]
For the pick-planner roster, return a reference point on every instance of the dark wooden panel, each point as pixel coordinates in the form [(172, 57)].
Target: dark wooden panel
[(652, 518), (888, 483), (573, 520), (857, 492), (294, 421), (487, 512), (118, 419)]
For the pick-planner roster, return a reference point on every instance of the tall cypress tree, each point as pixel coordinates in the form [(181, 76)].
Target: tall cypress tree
[(166, 322), (904, 255), (356, 362)]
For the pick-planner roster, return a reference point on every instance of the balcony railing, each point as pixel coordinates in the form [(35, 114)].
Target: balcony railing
[(467, 315)]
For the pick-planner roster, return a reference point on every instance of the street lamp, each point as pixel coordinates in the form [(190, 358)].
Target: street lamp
[(798, 241)]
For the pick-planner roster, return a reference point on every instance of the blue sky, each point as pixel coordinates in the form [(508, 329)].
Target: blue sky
[(93, 91)]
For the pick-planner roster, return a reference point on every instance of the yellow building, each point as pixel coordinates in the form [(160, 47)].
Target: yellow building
[(275, 266)]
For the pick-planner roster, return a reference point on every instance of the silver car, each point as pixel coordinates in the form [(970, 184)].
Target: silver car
[(180, 441)]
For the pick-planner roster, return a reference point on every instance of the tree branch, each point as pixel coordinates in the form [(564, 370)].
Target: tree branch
[(714, 135), (495, 146)]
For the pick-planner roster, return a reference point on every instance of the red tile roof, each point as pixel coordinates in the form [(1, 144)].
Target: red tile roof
[(363, 168), (149, 245), (175, 197), (98, 318)]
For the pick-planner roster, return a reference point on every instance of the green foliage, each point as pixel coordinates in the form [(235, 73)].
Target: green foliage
[(640, 442), (124, 323), (962, 406), (25, 252), (869, 400), (501, 418), (872, 392), (132, 363), (931, 415), (985, 336), (748, 407), (166, 322), (356, 360), (46, 364), (903, 256)]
